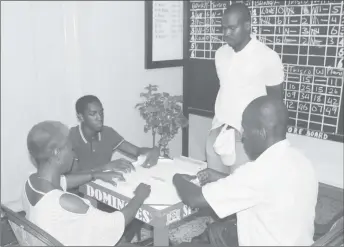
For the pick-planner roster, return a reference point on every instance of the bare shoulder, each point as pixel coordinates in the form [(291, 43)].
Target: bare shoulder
[(73, 204)]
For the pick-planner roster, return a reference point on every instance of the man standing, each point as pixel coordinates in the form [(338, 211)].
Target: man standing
[(273, 197), (246, 69)]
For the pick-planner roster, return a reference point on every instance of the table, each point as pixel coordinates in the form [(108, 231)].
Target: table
[(159, 210)]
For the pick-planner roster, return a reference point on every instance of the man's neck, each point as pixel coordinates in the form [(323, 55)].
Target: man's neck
[(88, 133), (271, 142), (45, 172), (242, 45)]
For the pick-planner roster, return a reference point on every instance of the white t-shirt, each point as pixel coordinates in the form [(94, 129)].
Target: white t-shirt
[(243, 77), (93, 228), (274, 198)]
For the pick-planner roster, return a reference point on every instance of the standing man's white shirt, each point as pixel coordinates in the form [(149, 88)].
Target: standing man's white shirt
[(274, 198), (243, 77)]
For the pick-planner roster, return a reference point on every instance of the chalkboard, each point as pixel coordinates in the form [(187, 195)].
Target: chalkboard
[(308, 36), (164, 34)]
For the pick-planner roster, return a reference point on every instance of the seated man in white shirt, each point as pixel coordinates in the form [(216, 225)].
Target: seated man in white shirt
[(69, 218), (246, 69), (273, 197)]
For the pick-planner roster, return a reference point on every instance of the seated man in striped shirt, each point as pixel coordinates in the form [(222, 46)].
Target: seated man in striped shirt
[(94, 144)]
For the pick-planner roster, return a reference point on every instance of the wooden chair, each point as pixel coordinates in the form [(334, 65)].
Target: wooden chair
[(27, 233), (334, 237)]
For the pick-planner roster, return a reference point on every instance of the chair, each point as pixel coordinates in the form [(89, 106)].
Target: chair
[(334, 237), (27, 233)]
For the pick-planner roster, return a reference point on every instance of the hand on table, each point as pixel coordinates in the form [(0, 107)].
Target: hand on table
[(109, 177), (119, 165), (142, 191), (152, 156), (208, 176)]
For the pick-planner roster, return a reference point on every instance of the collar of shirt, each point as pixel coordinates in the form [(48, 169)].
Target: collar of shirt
[(247, 49), (83, 137), (273, 150)]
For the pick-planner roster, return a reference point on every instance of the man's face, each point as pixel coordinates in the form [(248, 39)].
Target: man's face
[(253, 140), (93, 116), (235, 30)]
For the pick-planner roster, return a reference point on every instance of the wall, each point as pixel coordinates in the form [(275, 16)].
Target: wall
[(53, 53), (327, 156)]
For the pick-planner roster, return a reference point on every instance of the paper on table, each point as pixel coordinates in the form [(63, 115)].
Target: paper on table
[(159, 178)]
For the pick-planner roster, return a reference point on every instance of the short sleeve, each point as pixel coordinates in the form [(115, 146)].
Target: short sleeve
[(233, 194), (273, 71), (218, 63), (116, 138), (111, 230)]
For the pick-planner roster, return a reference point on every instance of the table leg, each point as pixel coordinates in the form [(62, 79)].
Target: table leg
[(161, 236)]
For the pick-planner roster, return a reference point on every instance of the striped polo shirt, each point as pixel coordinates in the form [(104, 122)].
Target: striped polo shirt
[(96, 153)]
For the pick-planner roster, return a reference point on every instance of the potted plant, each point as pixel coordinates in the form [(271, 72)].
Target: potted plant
[(163, 114)]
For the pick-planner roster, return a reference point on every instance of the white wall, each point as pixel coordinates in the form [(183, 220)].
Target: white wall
[(54, 52), (326, 156)]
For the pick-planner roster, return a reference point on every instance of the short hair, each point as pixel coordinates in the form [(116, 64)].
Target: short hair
[(240, 8), (44, 138), (81, 103)]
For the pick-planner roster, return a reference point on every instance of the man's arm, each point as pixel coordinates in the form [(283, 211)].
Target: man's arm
[(76, 178), (275, 91), (189, 193), (132, 151), (129, 149)]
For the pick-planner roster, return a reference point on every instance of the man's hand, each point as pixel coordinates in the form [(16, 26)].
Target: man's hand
[(120, 165), (109, 177), (142, 191), (152, 156), (209, 175)]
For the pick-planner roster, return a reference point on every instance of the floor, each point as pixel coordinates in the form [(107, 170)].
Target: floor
[(183, 231)]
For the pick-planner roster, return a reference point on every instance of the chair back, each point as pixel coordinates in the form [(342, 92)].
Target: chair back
[(334, 237), (27, 233)]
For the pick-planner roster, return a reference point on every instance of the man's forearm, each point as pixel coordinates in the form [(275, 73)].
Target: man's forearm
[(129, 149), (74, 180), (77, 178), (220, 175), (189, 193), (131, 209), (275, 91)]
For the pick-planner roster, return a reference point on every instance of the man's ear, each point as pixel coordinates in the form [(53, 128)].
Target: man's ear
[(80, 117), (262, 133), (247, 26)]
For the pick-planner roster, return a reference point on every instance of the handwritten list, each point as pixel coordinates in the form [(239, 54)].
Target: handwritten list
[(308, 36), (167, 30)]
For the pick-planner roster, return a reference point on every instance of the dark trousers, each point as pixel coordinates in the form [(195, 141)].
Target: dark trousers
[(222, 233)]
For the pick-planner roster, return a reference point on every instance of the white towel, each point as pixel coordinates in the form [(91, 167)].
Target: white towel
[(224, 145)]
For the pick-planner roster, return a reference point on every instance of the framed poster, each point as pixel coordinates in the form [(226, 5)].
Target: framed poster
[(164, 34)]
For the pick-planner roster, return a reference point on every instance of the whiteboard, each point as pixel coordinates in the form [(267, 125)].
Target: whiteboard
[(167, 30), (164, 34)]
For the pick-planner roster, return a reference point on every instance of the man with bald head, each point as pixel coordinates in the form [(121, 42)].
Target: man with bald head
[(273, 196), (246, 69)]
